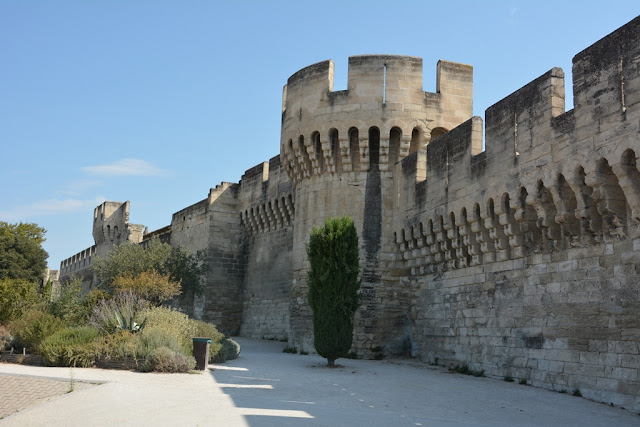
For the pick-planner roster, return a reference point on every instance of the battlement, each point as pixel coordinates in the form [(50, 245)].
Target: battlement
[(548, 180), (266, 198), (78, 263), (329, 132)]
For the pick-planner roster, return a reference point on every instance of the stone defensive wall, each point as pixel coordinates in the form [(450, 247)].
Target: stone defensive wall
[(267, 212), (518, 255), (246, 230), (77, 264), (523, 260)]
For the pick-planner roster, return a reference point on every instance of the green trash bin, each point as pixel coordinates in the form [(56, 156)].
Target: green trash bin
[(201, 352)]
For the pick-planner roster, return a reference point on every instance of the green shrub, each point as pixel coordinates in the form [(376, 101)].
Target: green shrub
[(132, 259), (183, 327), (69, 305), (93, 298), (163, 359), (107, 315), (5, 338), (206, 330), (70, 347), (150, 285), (154, 338), (165, 328), (33, 327), (333, 286), (16, 297), (229, 350), (170, 320), (118, 345)]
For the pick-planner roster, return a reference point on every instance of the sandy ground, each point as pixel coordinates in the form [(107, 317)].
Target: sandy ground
[(267, 387)]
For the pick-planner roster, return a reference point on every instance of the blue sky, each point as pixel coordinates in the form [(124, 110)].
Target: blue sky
[(157, 101)]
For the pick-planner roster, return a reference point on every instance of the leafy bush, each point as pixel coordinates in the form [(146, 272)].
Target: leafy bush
[(187, 269), (119, 345), (132, 259), (163, 359), (333, 286), (229, 350), (94, 296), (69, 305), (170, 321), (149, 285), (123, 344), (154, 338), (165, 328), (33, 327), (183, 327), (16, 297), (108, 315), (70, 347), (5, 338)]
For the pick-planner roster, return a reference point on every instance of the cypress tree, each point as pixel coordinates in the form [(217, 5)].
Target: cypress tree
[(333, 286)]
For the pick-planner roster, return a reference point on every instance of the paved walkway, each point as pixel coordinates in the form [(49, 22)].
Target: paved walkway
[(18, 392), (267, 387)]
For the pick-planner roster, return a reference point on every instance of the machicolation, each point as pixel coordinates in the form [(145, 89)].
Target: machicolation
[(519, 257)]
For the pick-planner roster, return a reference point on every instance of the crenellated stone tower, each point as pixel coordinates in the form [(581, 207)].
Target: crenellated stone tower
[(340, 149), (111, 226)]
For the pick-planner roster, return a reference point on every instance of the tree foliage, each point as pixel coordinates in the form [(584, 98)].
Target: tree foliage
[(21, 252), (131, 259), (150, 285), (188, 269), (16, 297), (73, 305), (333, 286)]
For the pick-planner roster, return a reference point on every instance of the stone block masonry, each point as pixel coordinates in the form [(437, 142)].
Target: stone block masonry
[(521, 260)]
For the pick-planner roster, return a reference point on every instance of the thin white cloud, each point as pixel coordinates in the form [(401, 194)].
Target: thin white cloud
[(48, 207), (76, 188), (126, 167)]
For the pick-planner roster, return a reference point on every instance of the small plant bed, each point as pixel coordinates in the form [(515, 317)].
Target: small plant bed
[(122, 324), (119, 332)]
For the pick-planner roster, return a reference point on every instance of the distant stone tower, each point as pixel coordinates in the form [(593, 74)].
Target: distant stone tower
[(341, 151), (111, 226)]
